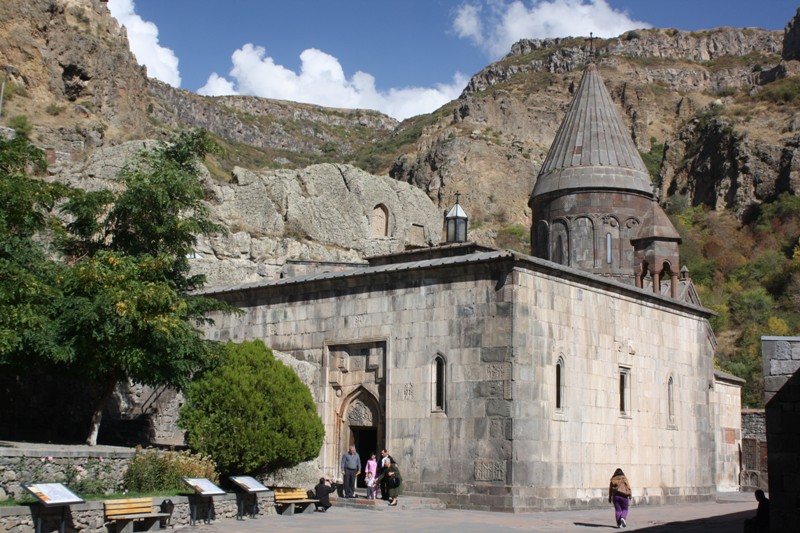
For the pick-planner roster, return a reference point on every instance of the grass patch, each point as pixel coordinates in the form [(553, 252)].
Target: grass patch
[(653, 158), (784, 91)]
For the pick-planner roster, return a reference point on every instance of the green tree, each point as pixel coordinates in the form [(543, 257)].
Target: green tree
[(28, 276), (127, 310), (252, 414)]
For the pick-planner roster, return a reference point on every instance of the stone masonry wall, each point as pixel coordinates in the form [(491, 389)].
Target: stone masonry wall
[(727, 408), (499, 326), (103, 467), (754, 424), (781, 359), (566, 456)]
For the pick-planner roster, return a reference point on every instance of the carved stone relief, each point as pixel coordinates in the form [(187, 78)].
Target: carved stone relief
[(490, 471), (360, 414)]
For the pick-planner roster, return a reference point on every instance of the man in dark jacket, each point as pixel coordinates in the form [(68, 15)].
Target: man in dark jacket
[(322, 492), (383, 464)]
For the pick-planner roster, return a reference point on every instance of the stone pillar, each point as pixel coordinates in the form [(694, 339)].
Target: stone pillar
[(673, 285), (781, 360)]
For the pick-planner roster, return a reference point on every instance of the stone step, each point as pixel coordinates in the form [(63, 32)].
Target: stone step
[(403, 502)]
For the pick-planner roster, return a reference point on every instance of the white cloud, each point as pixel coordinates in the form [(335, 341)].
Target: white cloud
[(467, 23), (321, 80), (504, 23), (161, 62)]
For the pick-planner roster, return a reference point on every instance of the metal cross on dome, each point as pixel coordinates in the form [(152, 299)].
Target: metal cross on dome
[(591, 40)]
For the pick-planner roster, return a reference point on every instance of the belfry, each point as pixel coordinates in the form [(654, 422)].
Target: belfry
[(593, 203)]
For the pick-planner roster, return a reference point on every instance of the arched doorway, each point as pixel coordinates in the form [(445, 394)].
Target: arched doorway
[(361, 425)]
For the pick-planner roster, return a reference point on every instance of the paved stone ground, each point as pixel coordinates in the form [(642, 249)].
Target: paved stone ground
[(725, 515)]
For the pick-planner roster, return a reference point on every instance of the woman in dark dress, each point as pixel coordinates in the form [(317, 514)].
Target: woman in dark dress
[(393, 481)]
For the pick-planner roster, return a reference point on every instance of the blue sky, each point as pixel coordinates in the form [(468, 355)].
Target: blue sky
[(401, 57)]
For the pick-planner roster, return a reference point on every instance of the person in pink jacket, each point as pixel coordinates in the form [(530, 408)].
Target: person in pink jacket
[(372, 466)]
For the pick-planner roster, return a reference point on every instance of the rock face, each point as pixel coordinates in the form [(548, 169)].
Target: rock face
[(791, 39), (264, 123), (664, 81), (489, 144), (72, 53), (329, 213), (282, 222), (711, 164)]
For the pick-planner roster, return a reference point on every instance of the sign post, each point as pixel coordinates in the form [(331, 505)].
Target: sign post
[(249, 488), (53, 495), (204, 490)]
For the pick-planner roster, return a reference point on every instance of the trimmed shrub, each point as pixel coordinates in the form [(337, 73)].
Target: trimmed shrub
[(252, 414)]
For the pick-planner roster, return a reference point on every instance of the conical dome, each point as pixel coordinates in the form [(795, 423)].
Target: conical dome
[(592, 149), (594, 192)]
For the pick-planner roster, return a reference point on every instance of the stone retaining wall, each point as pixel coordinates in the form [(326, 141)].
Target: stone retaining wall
[(754, 424), (90, 518), (99, 469)]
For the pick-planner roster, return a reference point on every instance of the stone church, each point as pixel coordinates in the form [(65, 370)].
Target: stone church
[(512, 382)]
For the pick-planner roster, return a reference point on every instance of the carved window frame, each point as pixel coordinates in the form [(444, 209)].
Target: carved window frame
[(439, 384), (671, 403), (624, 391), (559, 389)]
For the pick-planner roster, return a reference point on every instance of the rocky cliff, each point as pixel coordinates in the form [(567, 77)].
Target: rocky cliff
[(715, 112)]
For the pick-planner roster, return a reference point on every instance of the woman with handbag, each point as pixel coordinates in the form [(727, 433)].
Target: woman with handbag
[(619, 492), (394, 482)]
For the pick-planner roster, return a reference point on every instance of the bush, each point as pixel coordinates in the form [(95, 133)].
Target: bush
[(154, 470), (21, 125), (54, 109), (252, 414), (514, 237)]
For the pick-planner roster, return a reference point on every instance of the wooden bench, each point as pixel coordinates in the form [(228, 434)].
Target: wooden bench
[(126, 512), (289, 499)]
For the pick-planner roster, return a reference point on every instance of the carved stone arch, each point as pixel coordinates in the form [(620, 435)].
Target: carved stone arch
[(361, 409), (582, 241), (560, 242), (361, 423), (541, 240), (628, 230), (559, 383), (612, 244), (439, 383), (379, 221), (666, 268)]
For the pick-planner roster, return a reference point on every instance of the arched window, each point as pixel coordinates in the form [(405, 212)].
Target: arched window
[(671, 400), (560, 384), (609, 255), (558, 256), (439, 384)]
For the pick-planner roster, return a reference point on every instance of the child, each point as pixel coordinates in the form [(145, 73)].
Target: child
[(369, 480)]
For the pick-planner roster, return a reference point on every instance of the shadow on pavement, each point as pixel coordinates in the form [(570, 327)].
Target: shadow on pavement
[(728, 523)]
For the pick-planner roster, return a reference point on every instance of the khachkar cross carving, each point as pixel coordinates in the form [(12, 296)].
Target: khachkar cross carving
[(359, 414), (408, 391)]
